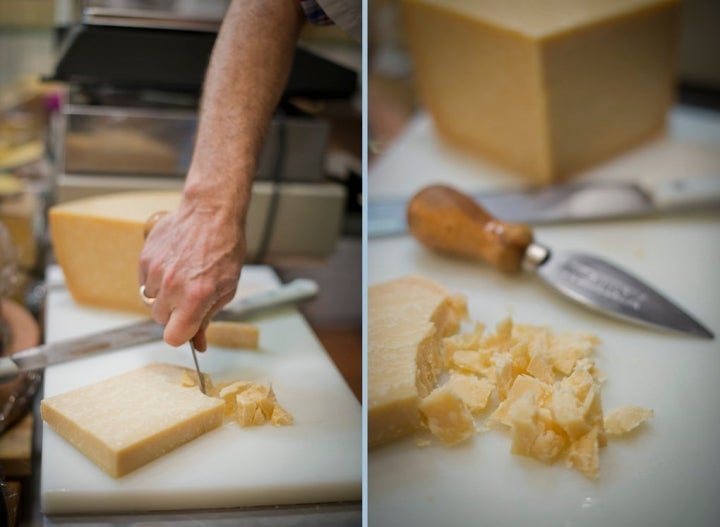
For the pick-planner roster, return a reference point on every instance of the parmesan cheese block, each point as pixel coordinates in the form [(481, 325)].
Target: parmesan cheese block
[(97, 242), (407, 318), (544, 88), (126, 421), (226, 334)]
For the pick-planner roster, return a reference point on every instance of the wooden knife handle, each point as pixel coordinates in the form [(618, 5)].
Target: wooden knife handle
[(446, 220), (152, 221)]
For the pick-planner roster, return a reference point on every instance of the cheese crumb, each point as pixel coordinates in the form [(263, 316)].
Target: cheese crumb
[(626, 418)]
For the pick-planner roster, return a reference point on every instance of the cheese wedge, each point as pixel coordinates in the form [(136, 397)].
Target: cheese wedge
[(544, 88), (126, 421), (97, 242), (407, 318)]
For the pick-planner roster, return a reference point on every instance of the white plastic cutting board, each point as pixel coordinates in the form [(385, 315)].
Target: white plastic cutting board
[(318, 459), (666, 475)]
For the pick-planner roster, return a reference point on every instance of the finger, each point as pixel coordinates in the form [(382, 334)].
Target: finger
[(200, 339), (182, 325), (161, 309), (150, 277), (149, 266)]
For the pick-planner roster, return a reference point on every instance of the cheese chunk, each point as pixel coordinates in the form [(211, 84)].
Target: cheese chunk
[(407, 319), (126, 421), (238, 335), (97, 242), (584, 455), (544, 88), (626, 418), (447, 416), (474, 391)]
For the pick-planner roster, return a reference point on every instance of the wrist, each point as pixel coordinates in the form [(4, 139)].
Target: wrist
[(224, 200)]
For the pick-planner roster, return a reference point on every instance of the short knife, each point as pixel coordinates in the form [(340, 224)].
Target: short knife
[(145, 331), (445, 220)]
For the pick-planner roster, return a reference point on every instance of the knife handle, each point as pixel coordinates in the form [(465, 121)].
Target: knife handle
[(445, 220)]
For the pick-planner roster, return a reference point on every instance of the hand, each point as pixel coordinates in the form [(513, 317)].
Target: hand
[(191, 265)]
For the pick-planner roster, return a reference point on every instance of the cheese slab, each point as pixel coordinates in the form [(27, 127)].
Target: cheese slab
[(544, 88), (129, 420), (97, 242), (407, 317)]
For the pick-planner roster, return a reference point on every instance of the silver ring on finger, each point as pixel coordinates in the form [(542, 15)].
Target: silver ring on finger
[(147, 300)]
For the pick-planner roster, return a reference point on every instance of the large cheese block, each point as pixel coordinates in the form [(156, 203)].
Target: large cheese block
[(126, 421), (97, 242), (548, 87), (407, 318)]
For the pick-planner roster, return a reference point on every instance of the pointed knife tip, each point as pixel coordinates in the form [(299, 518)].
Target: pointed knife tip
[(706, 333)]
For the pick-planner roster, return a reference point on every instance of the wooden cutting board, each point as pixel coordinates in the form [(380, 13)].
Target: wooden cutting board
[(318, 459), (665, 475)]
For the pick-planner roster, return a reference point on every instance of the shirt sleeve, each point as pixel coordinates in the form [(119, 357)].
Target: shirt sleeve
[(314, 13)]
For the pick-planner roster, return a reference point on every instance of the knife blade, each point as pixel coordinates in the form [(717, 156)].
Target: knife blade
[(568, 202), (145, 331), (445, 220), (201, 379)]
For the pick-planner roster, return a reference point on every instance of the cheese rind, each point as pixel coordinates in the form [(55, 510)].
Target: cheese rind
[(97, 242), (544, 88), (125, 422), (407, 318)]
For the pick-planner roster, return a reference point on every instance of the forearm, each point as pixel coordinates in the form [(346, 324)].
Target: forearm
[(246, 76)]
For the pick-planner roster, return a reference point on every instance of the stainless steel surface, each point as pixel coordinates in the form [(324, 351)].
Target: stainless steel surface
[(160, 14), (193, 9), (602, 286), (201, 379), (566, 203), (111, 140), (145, 331)]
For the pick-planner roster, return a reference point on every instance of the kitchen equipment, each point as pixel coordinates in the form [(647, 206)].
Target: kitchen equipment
[(107, 140), (448, 221), (570, 202), (318, 459), (131, 45), (145, 331)]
